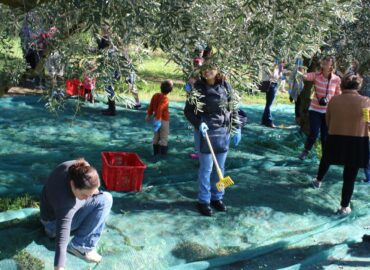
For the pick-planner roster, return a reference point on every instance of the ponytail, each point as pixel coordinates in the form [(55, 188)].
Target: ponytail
[(83, 175)]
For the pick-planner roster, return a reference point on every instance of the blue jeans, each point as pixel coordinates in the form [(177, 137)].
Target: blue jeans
[(88, 222), (110, 91), (317, 125), (270, 97), (207, 177)]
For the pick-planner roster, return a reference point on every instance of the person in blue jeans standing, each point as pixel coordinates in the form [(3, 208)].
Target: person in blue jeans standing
[(273, 79), (71, 201), (218, 116)]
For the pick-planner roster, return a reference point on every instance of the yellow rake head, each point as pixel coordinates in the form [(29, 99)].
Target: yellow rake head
[(224, 183)]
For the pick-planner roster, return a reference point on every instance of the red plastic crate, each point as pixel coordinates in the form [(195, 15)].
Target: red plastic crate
[(122, 171), (74, 87)]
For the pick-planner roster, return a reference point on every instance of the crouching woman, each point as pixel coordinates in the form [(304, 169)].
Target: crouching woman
[(71, 201)]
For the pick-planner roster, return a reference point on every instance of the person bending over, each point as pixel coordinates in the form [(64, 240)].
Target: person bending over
[(71, 201)]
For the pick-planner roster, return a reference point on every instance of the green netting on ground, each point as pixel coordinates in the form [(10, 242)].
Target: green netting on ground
[(275, 219)]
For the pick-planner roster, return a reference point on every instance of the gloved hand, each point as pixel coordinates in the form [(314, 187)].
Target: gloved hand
[(203, 128), (188, 87), (237, 137), (156, 125)]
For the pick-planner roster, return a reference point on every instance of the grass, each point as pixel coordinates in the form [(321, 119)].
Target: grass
[(16, 203), (25, 261), (156, 68), (152, 71)]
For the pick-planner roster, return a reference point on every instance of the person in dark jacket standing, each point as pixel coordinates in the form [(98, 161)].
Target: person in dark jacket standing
[(348, 140), (271, 78), (71, 201), (217, 114), (104, 43)]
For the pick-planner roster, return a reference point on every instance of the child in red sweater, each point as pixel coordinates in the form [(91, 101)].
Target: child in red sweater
[(161, 125)]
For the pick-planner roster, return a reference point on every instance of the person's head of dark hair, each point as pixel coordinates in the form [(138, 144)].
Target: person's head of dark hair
[(166, 87), (83, 175), (351, 82), (207, 52), (355, 65), (331, 59), (210, 66), (198, 52)]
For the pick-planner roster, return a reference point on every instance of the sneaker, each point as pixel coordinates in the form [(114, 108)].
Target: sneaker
[(89, 256), (219, 205), (205, 209), (316, 183), (344, 211), (303, 155), (270, 125), (137, 106), (366, 180)]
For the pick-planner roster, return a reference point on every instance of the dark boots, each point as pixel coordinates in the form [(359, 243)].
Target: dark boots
[(204, 209), (218, 205), (111, 111), (158, 149), (164, 150)]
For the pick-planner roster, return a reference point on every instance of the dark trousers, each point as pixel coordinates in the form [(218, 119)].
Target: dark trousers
[(88, 95), (317, 126), (270, 97), (297, 109), (323, 169), (367, 170), (349, 178), (33, 57)]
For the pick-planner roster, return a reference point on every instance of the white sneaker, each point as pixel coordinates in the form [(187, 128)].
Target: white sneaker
[(344, 211), (316, 183), (89, 256)]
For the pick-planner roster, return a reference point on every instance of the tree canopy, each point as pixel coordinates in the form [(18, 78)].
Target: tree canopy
[(245, 34)]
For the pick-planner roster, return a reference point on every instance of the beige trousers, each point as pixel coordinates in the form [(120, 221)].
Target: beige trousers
[(161, 137)]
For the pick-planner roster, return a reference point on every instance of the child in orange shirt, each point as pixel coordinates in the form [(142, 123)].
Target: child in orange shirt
[(161, 125)]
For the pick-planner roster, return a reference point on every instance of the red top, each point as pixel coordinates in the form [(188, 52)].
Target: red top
[(159, 106), (89, 83)]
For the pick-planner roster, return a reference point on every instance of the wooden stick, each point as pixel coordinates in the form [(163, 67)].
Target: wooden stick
[(219, 172)]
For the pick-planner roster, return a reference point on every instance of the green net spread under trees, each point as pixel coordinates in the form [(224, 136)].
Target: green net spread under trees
[(275, 218)]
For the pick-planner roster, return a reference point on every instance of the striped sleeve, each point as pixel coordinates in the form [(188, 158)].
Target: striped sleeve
[(311, 76), (338, 91)]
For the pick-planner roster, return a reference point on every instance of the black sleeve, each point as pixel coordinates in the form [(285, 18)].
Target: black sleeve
[(233, 107), (242, 118), (63, 229), (103, 43), (190, 114)]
